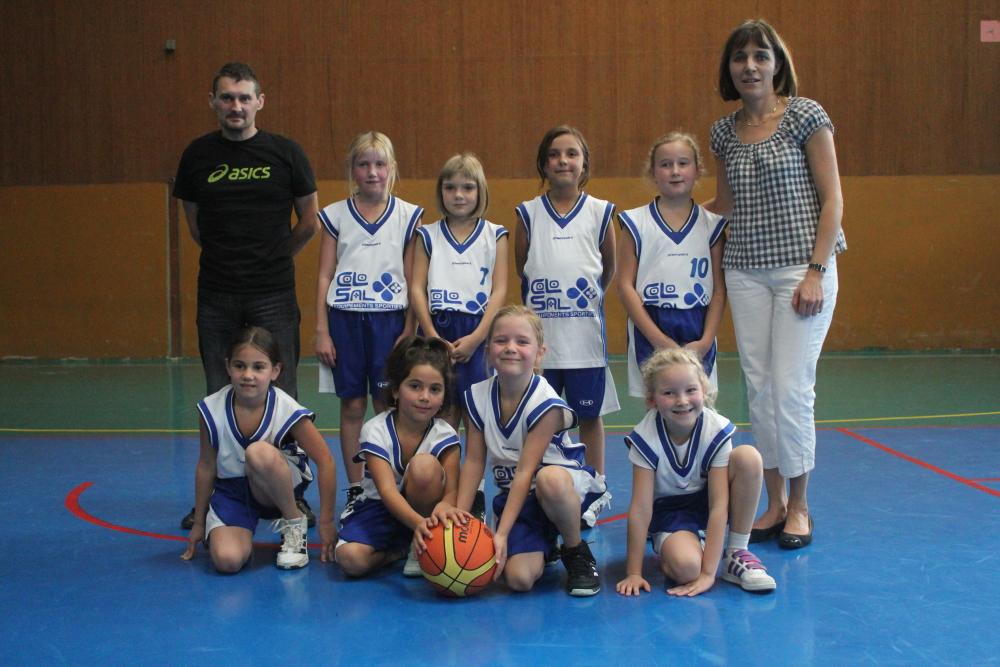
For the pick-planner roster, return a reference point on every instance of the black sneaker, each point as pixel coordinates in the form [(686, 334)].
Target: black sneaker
[(187, 523), (303, 506), (479, 506), (581, 568), (353, 495)]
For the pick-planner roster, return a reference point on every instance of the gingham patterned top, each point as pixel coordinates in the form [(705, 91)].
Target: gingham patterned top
[(775, 204)]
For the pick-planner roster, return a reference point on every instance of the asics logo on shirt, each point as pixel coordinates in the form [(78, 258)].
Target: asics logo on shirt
[(223, 171)]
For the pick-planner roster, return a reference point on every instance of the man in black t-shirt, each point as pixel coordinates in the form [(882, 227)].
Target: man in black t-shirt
[(238, 187)]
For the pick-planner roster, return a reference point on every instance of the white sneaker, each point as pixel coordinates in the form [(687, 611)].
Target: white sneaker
[(294, 552), (412, 566), (746, 571), (589, 518)]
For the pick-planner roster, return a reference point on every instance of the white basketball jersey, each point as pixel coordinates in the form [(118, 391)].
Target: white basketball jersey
[(562, 278), (369, 273), (674, 268), (378, 438), (504, 440), (460, 275), (281, 413), (681, 470)]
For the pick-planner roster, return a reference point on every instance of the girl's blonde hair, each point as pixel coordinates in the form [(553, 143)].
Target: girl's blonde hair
[(517, 310), (670, 138), (465, 165), (382, 145), (671, 356)]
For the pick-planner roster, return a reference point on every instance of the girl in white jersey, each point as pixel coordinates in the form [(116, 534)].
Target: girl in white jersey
[(254, 441), (518, 426), (565, 254), (411, 464), (460, 271), (688, 481), (670, 263), (361, 305)]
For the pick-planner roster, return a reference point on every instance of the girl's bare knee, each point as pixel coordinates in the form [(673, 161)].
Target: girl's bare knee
[(553, 482)]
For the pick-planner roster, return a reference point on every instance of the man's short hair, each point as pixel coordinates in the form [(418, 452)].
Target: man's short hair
[(237, 72)]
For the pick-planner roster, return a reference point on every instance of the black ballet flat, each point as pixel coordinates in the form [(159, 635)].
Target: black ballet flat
[(790, 541), (764, 534)]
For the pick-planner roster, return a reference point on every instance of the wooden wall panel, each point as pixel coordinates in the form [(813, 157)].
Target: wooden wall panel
[(84, 272), (91, 97)]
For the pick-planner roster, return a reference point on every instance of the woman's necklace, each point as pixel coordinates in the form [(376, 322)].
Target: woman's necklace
[(746, 120)]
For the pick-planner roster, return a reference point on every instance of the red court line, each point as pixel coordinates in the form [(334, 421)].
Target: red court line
[(922, 464), (73, 505)]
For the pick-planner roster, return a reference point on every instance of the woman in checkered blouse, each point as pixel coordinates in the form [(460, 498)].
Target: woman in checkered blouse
[(778, 184)]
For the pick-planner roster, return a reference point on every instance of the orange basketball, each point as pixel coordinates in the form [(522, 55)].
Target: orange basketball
[(459, 559)]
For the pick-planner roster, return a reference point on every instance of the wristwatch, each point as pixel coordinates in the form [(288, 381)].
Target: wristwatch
[(817, 267)]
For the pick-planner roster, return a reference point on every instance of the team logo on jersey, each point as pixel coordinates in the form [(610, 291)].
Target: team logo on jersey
[(386, 287), (582, 293), (697, 297), (239, 174), (663, 295), (547, 298), (478, 304)]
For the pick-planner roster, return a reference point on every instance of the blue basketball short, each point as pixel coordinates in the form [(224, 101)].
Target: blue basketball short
[(452, 326), (532, 530), (683, 325), (363, 340), (675, 513), (372, 524), (584, 388), (233, 504)]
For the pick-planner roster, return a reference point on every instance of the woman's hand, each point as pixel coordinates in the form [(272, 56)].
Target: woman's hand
[(807, 300)]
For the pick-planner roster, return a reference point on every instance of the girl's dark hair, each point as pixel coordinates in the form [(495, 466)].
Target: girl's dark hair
[(763, 34), (413, 351), (260, 338), (542, 158)]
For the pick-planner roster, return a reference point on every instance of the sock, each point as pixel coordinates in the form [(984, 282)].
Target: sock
[(737, 541)]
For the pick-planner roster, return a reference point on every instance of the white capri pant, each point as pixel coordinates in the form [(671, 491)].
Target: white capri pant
[(778, 353)]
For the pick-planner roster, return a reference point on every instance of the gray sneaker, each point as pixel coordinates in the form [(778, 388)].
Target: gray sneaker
[(294, 552)]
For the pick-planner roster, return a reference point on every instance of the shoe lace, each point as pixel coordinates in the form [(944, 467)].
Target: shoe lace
[(747, 560), (292, 535)]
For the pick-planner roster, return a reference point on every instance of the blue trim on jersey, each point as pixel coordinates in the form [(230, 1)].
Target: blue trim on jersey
[(522, 213), (629, 225), (296, 417), (425, 236), (678, 236), (668, 445), (397, 449), (206, 416), (470, 409), (718, 441), (606, 221), (574, 451), (412, 224), (265, 420), (328, 224), (561, 220), (371, 227), (501, 232), (633, 439), (717, 232), (544, 407), (508, 428), (460, 248), (371, 448), (450, 441)]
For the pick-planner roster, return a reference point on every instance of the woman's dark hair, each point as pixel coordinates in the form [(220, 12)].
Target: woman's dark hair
[(542, 158), (763, 34)]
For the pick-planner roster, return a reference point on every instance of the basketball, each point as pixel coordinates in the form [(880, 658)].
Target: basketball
[(459, 559)]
